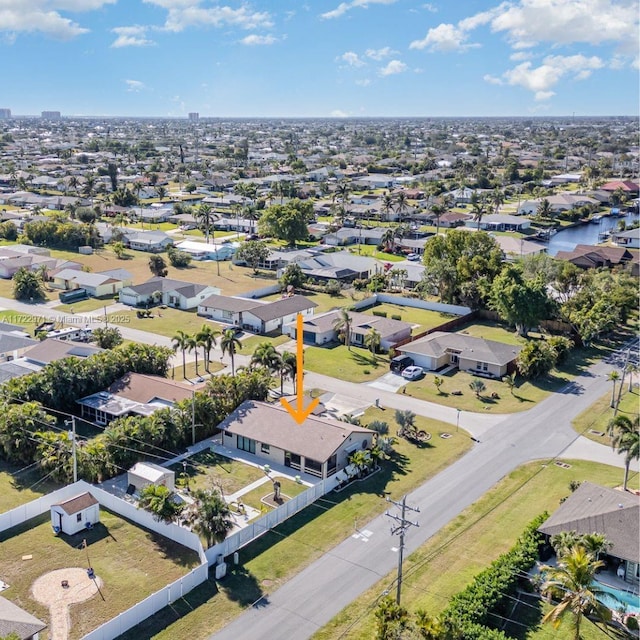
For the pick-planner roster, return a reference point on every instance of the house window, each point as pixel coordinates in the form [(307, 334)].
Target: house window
[(246, 444), (265, 448), (101, 417), (79, 517), (227, 315), (292, 460), (482, 366), (313, 467), (332, 464)]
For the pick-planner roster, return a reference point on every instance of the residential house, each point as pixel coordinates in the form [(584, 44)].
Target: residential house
[(259, 317), (97, 285), (173, 293), (206, 251), (347, 236), (452, 219), (16, 369), (629, 239), (17, 621), (75, 514), (558, 203), (152, 214), (500, 222), (341, 265), (13, 346), (588, 256), (150, 241), (475, 355), (320, 329), (516, 248), (319, 446), (51, 349), (17, 256), (628, 186), (133, 394), (611, 513)]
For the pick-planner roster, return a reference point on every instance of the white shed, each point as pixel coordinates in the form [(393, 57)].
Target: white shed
[(75, 514), (144, 473)]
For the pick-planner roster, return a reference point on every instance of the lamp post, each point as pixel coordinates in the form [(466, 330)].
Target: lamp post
[(458, 419), (72, 433)]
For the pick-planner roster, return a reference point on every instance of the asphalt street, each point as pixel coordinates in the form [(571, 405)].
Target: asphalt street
[(314, 596)]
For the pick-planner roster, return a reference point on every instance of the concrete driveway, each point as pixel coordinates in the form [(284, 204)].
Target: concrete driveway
[(392, 382)]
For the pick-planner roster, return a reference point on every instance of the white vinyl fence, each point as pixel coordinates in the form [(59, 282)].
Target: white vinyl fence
[(270, 520), (156, 601), (416, 303)]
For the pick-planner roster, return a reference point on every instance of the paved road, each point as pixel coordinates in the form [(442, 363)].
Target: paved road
[(313, 597)]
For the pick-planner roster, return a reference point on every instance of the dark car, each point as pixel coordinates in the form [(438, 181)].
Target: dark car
[(400, 363)]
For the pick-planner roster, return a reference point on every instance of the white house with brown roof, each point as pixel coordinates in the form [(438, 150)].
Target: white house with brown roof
[(173, 293), (320, 329), (612, 513), (133, 394), (319, 446), (75, 514), (475, 355)]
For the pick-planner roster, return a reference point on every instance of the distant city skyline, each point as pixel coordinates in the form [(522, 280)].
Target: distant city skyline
[(320, 59)]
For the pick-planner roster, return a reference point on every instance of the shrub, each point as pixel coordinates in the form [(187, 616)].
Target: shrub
[(333, 288), (396, 316), (380, 314), (561, 346), (536, 359)]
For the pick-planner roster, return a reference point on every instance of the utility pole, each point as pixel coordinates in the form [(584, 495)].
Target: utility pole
[(400, 529), (72, 423), (193, 416)]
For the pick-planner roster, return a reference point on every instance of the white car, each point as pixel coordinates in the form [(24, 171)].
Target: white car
[(413, 257), (412, 372)]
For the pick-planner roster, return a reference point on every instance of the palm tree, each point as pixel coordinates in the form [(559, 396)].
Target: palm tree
[(479, 206), (266, 356), (613, 376), (342, 324), (159, 500), (193, 345), (161, 192), (407, 422), (571, 583), (625, 439), (510, 381), (438, 211), (207, 339), (497, 199), (372, 340), (181, 341), (544, 209), (631, 368), (388, 240), (230, 344), (478, 387), (211, 516), (288, 367), (206, 218), (401, 204), (387, 204)]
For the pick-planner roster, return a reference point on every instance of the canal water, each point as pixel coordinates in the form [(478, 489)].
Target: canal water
[(567, 239)]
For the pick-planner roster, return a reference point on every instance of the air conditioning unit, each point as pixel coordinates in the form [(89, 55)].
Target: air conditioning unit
[(221, 570)]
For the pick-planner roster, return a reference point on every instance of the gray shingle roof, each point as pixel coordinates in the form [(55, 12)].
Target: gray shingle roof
[(13, 619), (283, 307), (595, 509)]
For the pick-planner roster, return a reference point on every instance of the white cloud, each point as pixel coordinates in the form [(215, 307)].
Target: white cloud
[(352, 59), (134, 85), (338, 113), (365, 82), (492, 79), (430, 7), (395, 66), (189, 13), (379, 54), (254, 40), (519, 56), (344, 7), (542, 79), (31, 16), (444, 37), (134, 36)]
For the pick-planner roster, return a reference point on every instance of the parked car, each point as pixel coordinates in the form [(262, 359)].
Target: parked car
[(399, 363), (413, 372), (413, 257)]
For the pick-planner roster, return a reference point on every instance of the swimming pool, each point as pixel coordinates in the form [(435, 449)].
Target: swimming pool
[(627, 599)]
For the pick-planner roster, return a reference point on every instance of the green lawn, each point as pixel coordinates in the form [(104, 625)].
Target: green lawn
[(207, 469), (132, 563), (289, 488), (449, 560), (19, 485), (423, 317), (165, 322), (190, 372), (372, 251), (28, 321), (83, 306), (272, 559), (600, 413), (355, 365), (249, 344), (324, 301), (491, 331)]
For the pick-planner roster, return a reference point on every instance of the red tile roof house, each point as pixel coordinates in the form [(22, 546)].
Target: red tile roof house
[(319, 446)]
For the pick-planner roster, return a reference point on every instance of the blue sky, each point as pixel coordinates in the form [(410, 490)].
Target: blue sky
[(320, 58)]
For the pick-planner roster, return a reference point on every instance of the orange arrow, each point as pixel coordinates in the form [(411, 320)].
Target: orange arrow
[(299, 414)]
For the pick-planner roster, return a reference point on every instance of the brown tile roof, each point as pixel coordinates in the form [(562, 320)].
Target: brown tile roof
[(143, 388), (77, 503), (595, 509), (316, 438)]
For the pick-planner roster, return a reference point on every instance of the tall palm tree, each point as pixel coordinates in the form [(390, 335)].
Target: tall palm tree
[(387, 204), (161, 192), (497, 199), (613, 376), (193, 345), (372, 340), (625, 439), (401, 204), (181, 341), (438, 211), (288, 368), (266, 356), (207, 339), (388, 239), (544, 209), (479, 206), (230, 344), (631, 368), (206, 218), (571, 583), (342, 324)]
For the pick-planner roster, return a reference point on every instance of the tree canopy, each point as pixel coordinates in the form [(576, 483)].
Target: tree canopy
[(287, 221)]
